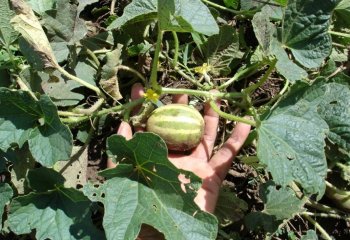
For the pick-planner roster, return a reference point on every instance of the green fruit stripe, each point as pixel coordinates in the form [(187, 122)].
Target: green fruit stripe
[(180, 130), (177, 111)]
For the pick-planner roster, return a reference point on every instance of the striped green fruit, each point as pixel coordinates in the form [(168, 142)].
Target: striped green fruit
[(179, 125)]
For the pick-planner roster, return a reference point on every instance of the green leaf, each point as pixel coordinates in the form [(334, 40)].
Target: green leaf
[(310, 235), (265, 32), (41, 6), (136, 11), (53, 215), (156, 198), (18, 115), (63, 25), (147, 152), (261, 221), (7, 33), (5, 197), (336, 112), (279, 205), (26, 23), (305, 30), (186, 16), (229, 207), (53, 85), (220, 50), (291, 143), (52, 179), (173, 15), (291, 139), (342, 12), (19, 122), (129, 204), (231, 3), (109, 80), (51, 142), (331, 99)]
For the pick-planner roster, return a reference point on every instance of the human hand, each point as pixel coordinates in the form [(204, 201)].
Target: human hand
[(211, 169)]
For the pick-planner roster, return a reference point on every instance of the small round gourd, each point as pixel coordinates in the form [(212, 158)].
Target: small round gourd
[(179, 125)]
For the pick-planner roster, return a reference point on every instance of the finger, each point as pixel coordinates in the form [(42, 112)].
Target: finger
[(180, 98), (222, 160), (137, 91), (211, 120), (123, 130)]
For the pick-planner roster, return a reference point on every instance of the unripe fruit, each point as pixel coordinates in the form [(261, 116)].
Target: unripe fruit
[(179, 125)]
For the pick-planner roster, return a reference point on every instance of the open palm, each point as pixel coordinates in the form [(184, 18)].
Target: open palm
[(212, 169)]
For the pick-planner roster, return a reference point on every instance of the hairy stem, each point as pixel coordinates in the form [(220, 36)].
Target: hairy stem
[(248, 71), (199, 93), (323, 232), (261, 82), (229, 116), (192, 80), (82, 82), (221, 7), (340, 34), (327, 215), (176, 54), (93, 57), (125, 107), (24, 87), (153, 79), (139, 75)]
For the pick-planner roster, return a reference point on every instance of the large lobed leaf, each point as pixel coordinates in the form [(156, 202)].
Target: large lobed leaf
[(5, 196), (53, 211), (265, 32), (129, 204), (291, 140), (155, 199), (49, 141), (279, 205), (173, 15), (7, 33), (220, 50), (305, 30)]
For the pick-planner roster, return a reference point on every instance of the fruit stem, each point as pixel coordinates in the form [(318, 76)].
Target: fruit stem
[(229, 116)]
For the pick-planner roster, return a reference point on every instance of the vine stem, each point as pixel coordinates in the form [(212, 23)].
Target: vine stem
[(241, 74), (221, 7), (82, 82), (176, 54), (193, 81), (153, 79), (24, 87), (340, 34), (69, 114), (199, 93), (139, 75), (229, 116), (261, 82), (323, 232), (326, 215), (126, 107)]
